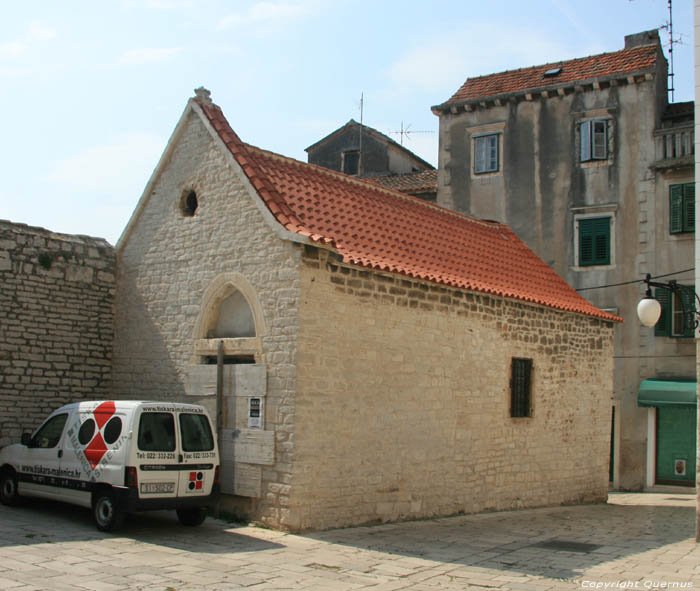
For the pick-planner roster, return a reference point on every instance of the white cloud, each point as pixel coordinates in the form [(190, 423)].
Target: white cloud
[(39, 32), (443, 63), (119, 169), (11, 49), (264, 12), (144, 55), (36, 33)]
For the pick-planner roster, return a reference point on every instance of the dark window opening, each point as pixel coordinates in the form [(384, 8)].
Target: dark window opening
[(189, 204), (351, 162), (520, 386), (230, 359)]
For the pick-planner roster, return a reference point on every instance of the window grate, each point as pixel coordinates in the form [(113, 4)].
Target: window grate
[(520, 386)]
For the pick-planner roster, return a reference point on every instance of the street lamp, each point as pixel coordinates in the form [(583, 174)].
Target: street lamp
[(649, 308)]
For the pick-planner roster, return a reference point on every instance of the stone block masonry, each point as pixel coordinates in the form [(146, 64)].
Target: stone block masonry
[(403, 401), (56, 323)]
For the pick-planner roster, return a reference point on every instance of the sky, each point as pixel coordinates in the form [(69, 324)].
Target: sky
[(91, 91)]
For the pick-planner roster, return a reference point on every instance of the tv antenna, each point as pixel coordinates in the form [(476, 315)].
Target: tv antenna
[(671, 42), (405, 132)]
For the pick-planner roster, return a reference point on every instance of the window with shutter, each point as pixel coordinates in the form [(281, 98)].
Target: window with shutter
[(520, 387), (682, 208), (594, 140), (677, 312), (663, 326), (594, 241)]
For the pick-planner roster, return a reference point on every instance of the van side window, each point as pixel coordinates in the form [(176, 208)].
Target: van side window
[(50, 432), (157, 432), (196, 433)]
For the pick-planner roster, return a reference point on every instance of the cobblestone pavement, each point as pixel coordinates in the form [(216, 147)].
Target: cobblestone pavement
[(636, 541)]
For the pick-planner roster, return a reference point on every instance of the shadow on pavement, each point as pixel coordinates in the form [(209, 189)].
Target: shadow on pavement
[(559, 543), (42, 522)]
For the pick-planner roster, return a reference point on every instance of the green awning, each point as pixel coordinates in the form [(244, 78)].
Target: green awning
[(667, 393)]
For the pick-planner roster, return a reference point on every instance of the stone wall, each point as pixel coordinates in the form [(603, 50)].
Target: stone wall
[(56, 323), (402, 407), (170, 265)]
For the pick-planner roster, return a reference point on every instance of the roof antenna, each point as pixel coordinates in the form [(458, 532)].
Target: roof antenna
[(362, 110), (671, 41), (407, 131)]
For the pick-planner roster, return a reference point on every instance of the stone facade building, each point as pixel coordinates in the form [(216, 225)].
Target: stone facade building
[(592, 168), (375, 357), (56, 323)]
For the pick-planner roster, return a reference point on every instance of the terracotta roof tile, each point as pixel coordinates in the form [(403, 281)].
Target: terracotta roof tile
[(625, 61), (385, 230), (412, 183)]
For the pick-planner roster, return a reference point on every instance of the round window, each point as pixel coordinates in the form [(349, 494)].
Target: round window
[(87, 430), (113, 430)]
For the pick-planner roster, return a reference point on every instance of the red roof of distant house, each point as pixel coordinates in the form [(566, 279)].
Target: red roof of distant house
[(388, 231), (623, 62), (411, 182)]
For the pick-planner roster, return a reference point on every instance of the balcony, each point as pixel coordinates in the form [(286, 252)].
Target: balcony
[(674, 147)]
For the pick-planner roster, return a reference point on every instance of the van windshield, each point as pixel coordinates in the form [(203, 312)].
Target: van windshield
[(157, 432), (196, 433)]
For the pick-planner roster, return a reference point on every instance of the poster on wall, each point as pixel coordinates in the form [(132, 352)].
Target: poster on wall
[(255, 413)]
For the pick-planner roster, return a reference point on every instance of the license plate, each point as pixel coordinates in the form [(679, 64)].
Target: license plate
[(157, 487)]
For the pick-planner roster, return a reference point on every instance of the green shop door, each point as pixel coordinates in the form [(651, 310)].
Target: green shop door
[(676, 435)]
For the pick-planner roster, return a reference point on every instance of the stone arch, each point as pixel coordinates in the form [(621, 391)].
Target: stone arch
[(232, 294)]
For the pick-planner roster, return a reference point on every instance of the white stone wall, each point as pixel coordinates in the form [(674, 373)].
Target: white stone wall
[(167, 263), (403, 402), (56, 317)]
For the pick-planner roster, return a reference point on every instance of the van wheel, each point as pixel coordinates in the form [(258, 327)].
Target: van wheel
[(105, 510), (193, 517), (8, 488)]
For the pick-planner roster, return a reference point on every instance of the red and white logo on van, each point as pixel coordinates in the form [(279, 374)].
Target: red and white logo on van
[(196, 481), (98, 431)]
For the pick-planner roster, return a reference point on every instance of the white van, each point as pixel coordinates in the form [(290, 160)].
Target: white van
[(116, 457)]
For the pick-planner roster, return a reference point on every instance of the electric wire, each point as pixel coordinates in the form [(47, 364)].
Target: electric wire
[(636, 280)]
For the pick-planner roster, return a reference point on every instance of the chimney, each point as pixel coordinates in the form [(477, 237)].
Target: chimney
[(643, 38)]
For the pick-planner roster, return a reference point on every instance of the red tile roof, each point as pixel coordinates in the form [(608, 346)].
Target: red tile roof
[(385, 230), (623, 62), (411, 183)]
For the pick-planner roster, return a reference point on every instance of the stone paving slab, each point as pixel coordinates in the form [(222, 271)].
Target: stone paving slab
[(638, 541)]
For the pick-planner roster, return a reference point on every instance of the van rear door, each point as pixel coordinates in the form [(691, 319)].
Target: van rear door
[(157, 455), (199, 456)]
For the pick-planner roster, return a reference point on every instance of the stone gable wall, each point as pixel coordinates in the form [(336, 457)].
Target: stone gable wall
[(56, 323), (403, 401), (166, 266)]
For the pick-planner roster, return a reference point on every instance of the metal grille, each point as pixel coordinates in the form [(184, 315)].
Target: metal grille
[(521, 370)]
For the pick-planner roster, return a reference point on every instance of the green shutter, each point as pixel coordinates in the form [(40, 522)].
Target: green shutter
[(585, 238), (594, 241), (676, 208), (688, 295), (663, 326), (689, 207), (602, 240)]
